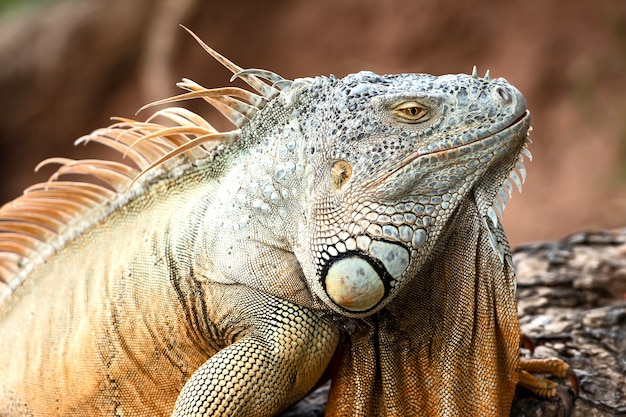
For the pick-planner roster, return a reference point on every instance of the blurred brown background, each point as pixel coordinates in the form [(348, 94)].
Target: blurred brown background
[(66, 66)]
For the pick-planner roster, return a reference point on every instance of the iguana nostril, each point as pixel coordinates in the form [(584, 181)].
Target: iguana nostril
[(504, 95)]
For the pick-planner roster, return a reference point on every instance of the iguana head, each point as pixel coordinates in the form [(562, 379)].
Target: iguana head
[(389, 159)]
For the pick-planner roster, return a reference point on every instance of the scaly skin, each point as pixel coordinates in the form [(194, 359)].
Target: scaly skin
[(217, 280), (137, 327)]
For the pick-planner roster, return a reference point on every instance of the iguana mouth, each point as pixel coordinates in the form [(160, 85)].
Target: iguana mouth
[(521, 118), (516, 125), (524, 118)]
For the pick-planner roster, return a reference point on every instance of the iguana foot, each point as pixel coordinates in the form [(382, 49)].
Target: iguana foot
[(552, 366), (544, 387), (541, 386)]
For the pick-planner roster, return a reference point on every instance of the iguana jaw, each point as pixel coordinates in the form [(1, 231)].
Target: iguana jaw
[(521, 123), (493, 190)]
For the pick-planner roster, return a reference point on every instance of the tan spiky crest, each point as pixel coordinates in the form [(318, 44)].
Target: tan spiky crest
[(48, 214)]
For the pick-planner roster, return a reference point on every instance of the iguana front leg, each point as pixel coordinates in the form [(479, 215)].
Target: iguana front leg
[(266, 371)]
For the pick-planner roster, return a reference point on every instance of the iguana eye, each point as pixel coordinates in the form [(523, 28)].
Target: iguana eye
[(411, 112)]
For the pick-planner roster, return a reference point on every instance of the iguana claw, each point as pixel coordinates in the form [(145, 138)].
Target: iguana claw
[(566, 399), (527, 342)]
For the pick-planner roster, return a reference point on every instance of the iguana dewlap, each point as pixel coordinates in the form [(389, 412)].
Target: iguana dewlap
[(216, 273)]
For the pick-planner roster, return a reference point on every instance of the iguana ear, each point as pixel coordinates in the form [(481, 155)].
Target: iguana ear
[(340, 173)]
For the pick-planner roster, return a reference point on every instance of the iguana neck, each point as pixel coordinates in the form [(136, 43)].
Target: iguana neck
[(464, 305), (256, 203)]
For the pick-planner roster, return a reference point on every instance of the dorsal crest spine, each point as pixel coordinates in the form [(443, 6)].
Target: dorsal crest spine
[(48, 214)]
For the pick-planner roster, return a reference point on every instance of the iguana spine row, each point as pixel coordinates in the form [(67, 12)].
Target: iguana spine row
[(49, 214)]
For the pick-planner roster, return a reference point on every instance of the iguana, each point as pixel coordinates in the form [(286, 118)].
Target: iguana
[(345, 229)]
